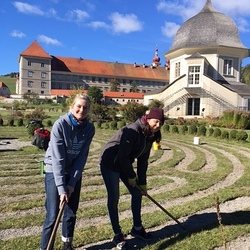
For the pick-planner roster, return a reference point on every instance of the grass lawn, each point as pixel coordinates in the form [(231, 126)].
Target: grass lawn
[(10, 82), (184, 178)]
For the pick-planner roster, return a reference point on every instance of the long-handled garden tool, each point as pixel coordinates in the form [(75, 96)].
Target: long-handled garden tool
[(162, 208), (53, 234)]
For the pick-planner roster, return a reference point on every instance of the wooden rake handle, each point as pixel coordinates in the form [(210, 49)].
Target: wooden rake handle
[(53, 234), (162, 208)]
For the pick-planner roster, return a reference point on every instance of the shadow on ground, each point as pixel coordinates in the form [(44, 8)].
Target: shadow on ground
[(169, 235)]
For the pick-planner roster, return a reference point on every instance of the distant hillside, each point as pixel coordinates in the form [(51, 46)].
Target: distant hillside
[(10, 82)]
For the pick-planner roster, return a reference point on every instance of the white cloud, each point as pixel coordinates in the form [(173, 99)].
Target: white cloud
[(77, 15), (233, 8), (52, 12), (169, 29), (243, 25), (125, 23), (17, 33), (28, 9), (98, 24), (185, 9), (48, 40)]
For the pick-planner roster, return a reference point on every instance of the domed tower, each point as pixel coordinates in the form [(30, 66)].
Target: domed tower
[(209, 28), (215, 37), (156, 59)]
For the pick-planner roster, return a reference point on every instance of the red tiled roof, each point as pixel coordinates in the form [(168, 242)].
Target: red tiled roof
[(64, 92), (35, 50), (109, 69), (123, 95), (99, 68)]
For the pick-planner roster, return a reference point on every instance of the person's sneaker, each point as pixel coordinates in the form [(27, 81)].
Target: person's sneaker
[(67, 246), (120, 242), (141, 234)]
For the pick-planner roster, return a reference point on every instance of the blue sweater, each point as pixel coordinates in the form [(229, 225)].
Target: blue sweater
[(68, 151)]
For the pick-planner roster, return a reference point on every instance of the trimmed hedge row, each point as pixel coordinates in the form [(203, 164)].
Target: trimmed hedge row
[(239, 135)]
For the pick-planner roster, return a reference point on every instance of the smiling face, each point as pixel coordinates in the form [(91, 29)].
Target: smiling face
[(155, 124), (80, 108)]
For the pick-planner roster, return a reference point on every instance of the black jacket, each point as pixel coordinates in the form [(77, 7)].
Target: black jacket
[(128, 144)]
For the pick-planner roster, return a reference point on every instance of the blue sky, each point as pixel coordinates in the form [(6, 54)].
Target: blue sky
[(126, 31)]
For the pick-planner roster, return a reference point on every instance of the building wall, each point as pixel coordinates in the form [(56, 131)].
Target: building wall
[(34, 77)]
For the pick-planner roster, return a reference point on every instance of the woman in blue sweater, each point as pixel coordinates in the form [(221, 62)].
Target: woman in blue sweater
[(65, 159), (132, 142)]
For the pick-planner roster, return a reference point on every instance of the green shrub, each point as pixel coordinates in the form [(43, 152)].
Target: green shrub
[(20, 122), (217, 132), (113, 125), (241, 135), (175, 129), (121, 124), (202, 130), (49, 123), (11, 122), (165, 128), (98, 124), (184, 129), (232, 134), (224, 134), (192, 129), (105, 125), (210, 131), (31, 128)]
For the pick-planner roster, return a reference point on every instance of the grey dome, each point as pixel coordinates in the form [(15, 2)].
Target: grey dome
[(209, 28)]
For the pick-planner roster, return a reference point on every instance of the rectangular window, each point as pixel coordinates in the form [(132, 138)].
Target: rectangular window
[(43, 74), (228, 67), (43, 85), (177, 69), (29, 63), (30, 73), (193, 74), (30, 84), (42, 65)]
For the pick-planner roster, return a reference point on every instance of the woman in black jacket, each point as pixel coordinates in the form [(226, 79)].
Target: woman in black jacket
[(132, 142)]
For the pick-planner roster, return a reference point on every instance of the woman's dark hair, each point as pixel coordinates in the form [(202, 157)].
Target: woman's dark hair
[(149, 133), (158, 136)]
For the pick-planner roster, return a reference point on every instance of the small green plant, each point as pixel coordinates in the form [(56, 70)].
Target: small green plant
[(11, 122), (20, 122), (121, 124), (175, 129), (242, 136), (192, 129), (113, 125), (105, 125), (217, 132), (183, 129), (224, 134), (49, 123), (98, 124), (210, 131), (202, 130), (165, 128), (233, 134)]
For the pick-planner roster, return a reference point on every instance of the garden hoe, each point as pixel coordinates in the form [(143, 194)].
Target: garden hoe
[(53, 234), (163, 209)]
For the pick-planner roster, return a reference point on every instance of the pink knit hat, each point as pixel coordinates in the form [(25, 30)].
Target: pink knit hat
[(156, 113)]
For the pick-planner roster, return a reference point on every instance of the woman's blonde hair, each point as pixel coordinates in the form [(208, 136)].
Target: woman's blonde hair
[(82, 96)]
